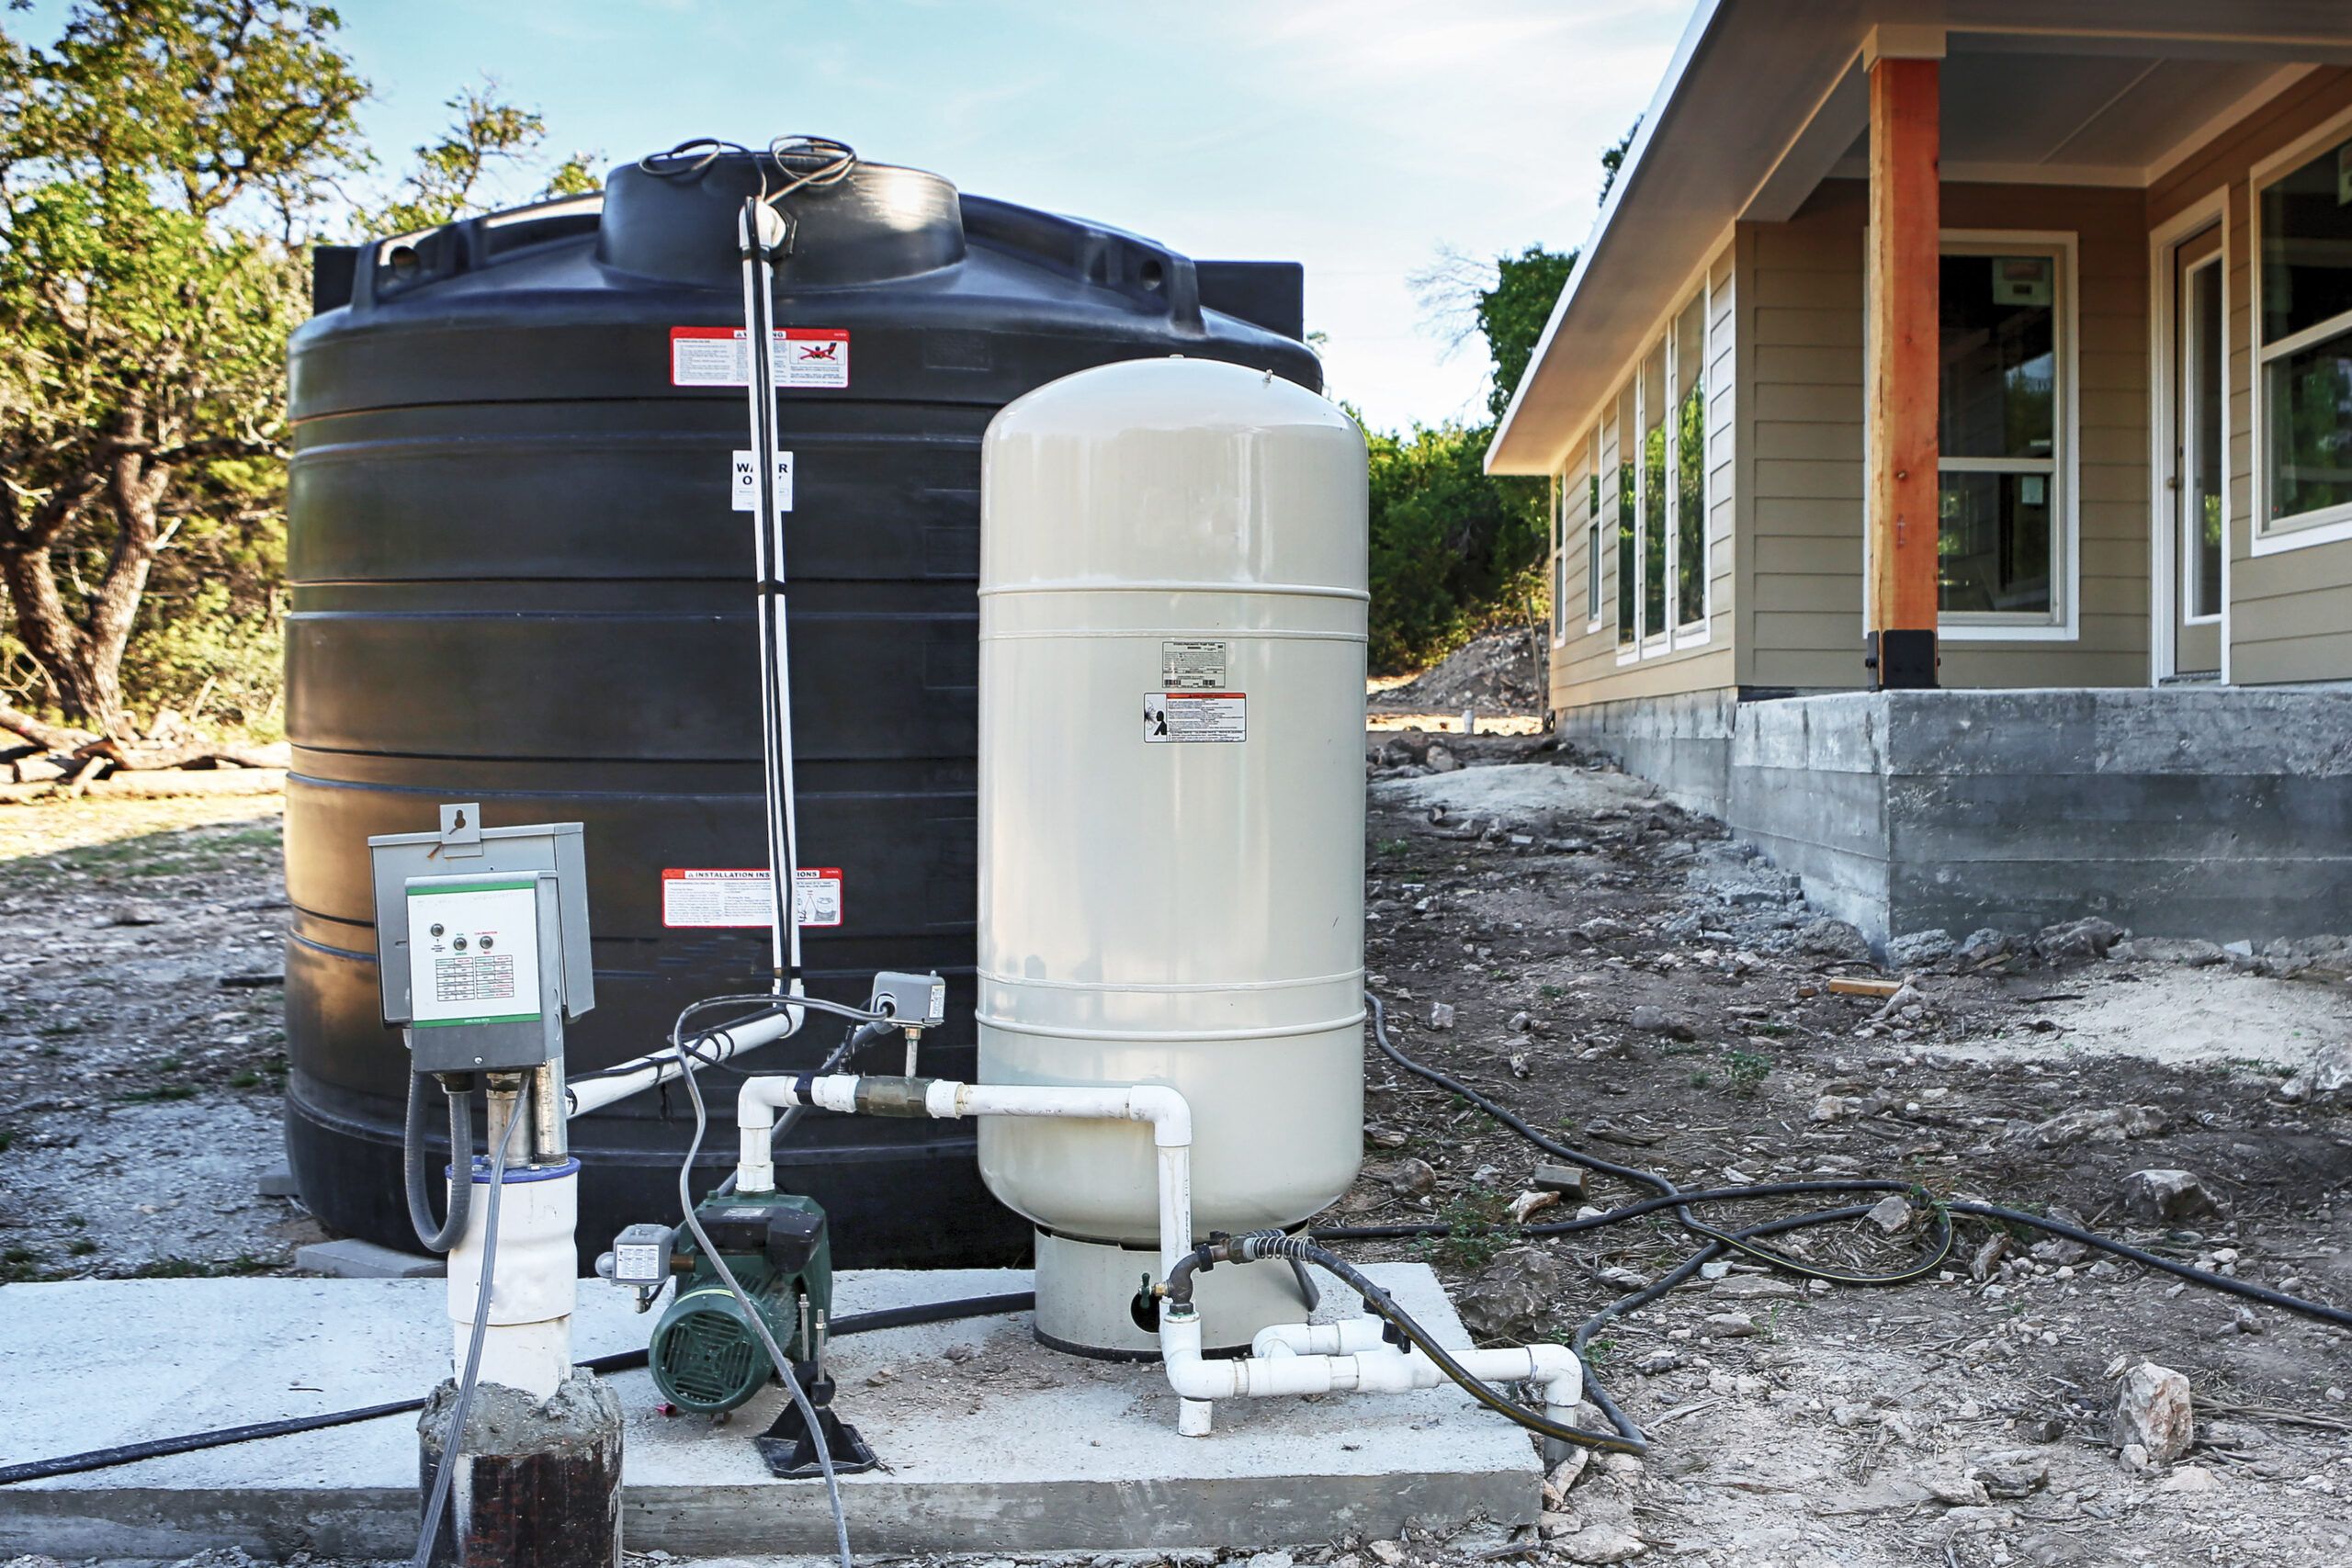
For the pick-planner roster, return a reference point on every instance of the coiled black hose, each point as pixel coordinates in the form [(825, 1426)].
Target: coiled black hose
[(1626, 1437)]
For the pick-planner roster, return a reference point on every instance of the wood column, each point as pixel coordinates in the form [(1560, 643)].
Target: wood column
[(1900, 489)]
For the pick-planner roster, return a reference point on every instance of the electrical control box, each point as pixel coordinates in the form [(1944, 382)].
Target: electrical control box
[(482, 940)]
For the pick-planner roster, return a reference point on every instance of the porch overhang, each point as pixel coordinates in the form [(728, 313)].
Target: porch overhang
[(1764, 99)]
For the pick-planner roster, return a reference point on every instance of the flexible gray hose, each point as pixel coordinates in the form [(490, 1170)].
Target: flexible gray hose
[(777, 1357), (412, 1163), (445, 1472)]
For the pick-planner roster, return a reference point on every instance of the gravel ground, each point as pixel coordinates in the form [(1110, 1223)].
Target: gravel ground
[(1617, 972)]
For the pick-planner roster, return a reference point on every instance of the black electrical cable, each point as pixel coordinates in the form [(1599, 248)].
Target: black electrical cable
[(953, 1311), (444, 1236), (1626, 1437)]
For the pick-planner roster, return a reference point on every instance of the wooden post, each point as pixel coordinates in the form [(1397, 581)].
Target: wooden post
[(1901, 491)]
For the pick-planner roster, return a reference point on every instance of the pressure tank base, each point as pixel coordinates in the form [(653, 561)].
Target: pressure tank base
[(1086, 1290)]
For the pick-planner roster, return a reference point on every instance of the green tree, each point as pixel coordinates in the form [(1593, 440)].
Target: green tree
[(1512, 314), (163, 167), (1453, 550), (1612, 159)]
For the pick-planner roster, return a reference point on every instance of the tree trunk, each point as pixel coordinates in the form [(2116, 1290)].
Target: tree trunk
[(84, 658)]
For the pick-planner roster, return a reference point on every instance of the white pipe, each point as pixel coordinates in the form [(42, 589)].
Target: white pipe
[(1286, 1359), (642, 1073)]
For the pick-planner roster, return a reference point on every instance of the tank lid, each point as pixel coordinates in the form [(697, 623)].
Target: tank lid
[(679, 225)]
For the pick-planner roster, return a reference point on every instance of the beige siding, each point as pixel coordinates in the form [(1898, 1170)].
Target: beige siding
[(1585, 667), (2289, 614), (1801, 384)]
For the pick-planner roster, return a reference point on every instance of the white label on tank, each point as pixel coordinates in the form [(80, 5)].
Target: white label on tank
[(710, 898), (473, 953), (1192, 666), (1179, 717), (743, 493), (720, 357)]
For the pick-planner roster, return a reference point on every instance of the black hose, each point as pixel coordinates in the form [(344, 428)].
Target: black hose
[(413, 1164), (1627, 1437), (618, 1362)]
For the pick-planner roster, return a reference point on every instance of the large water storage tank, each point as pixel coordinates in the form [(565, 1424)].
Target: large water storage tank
[(1173, 571), (517, 579)]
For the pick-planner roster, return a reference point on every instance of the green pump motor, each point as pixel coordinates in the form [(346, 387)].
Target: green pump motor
[(705, 1353)]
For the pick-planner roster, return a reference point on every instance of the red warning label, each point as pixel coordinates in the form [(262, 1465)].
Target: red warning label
[(720, 357)]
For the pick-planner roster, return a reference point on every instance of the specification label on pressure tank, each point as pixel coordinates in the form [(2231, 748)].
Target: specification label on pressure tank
[(709, 898), (1183, 717), (721, 356), (1188, 666)]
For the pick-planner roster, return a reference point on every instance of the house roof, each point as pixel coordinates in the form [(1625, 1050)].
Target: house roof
[(1766, 99)]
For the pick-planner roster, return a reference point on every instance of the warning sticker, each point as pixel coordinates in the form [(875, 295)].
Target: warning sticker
[(744, 493), (1178, 717), (721, 356), (714, 898), (1192, 666)]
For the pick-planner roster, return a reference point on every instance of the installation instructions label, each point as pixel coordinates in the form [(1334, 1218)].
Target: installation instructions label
[(473, 953), (721, 356), (1183, 717), (720, 898)]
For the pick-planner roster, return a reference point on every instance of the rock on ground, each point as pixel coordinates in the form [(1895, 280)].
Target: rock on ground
[(2152, 1409)]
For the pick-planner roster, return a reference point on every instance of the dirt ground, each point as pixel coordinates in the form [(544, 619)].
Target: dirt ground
[(1617, 972)]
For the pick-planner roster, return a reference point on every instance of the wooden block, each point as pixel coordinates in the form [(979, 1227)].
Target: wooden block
[(1841, 986), (1568, 1180)]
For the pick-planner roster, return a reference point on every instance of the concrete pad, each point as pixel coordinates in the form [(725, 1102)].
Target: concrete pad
[(989, 1442), (352, 1259)]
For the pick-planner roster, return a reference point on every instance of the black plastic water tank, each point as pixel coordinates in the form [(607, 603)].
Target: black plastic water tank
[(517, 579)]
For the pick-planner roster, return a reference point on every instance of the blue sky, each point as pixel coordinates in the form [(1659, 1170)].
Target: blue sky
[(1356, 136)]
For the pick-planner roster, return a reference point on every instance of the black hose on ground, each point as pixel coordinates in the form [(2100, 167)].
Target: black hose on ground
[(618, 1362), (443, 1236), (1626, 1437)]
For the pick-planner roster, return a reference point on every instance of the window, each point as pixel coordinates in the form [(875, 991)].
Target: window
[(1592, 538), (1690, 464), (1559, 557), (2201, 441), (1628, 495), (1653, 386), (2002, 425), (2303, 344)]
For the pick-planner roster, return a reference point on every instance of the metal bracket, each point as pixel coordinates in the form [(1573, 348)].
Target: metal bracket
[(787, 1446), (461, 832)]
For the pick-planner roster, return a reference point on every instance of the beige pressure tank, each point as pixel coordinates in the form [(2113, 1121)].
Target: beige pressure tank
[(1173, 600)]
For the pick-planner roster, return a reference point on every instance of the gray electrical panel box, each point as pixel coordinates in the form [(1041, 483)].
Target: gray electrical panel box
[(482, 940)]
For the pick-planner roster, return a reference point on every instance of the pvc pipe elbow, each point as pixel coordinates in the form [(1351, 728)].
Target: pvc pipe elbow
[(1189, 1374), (1170, 1113)]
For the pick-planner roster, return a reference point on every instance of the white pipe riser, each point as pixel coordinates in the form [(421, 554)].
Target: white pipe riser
[(527, 1344)]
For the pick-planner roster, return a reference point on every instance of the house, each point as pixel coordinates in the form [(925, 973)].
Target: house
[(1949, 423)]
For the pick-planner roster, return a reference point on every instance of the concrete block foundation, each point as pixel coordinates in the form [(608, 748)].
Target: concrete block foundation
[(990, 1443), (2215, 812)]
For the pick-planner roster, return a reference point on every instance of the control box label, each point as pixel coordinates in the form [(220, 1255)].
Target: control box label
[(473, 953), (744, 493), (1183, 717), (706, 898), (721, 356), (1187, 666)]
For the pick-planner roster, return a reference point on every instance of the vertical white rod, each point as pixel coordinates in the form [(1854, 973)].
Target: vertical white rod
[(759, 230)]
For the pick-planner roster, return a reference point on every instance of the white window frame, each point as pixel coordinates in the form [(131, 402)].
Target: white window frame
[(1559, 557), (1691, 634), (2062, 624), (1596, 607), (2166, 527), (2329, 524), (1629, 649), (2184, 526), (1655, 642)]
